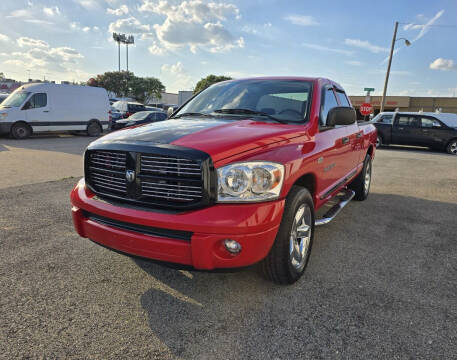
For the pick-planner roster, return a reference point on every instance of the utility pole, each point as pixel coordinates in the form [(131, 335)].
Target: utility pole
[(394, 38)]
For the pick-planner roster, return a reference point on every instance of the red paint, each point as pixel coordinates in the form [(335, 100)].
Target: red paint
[(303, 149)]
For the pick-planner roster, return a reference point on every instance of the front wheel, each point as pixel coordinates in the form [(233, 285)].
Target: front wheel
[(289, 255), (21, 131), (452, 147), (378, 141)]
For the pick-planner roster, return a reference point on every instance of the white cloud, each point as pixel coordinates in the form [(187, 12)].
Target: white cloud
[(156, 49), (179, 79), (51, 11), (443, 64), (4, 38), (424, 28), (301, 20), (122, 10), (129, 25), (194, 24), (329, 49), (28, 15), (363, 44), (28, 42), (354, 62)]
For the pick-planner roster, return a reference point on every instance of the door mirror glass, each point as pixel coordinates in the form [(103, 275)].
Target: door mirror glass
[(341, 115)]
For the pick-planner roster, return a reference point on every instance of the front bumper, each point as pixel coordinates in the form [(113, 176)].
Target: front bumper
[(5, 127), (254, 226)]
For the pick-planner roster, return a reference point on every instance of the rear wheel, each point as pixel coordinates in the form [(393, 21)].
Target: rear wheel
[(21, 131), (361, 184), (289, 255), (452, 147), (94, 129), (378, 141)]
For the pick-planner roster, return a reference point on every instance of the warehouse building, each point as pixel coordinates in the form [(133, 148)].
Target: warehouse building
[(408, 103)]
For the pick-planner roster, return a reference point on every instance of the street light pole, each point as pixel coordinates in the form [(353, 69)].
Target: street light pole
[(394, 38), (119, 55), (127, 49)]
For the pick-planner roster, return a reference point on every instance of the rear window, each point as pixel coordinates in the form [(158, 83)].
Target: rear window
[(136, 107)]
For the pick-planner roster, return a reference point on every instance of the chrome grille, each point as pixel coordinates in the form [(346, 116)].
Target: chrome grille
[(162, 180), (107, 171), (167, 165)]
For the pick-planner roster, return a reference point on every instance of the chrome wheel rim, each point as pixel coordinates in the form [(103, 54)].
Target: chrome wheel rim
[(453, 148), (367, 181), (378, 141), (300, 237)]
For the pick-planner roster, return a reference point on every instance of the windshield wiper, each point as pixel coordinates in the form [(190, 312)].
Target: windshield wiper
[(249, 112), (190, 114)]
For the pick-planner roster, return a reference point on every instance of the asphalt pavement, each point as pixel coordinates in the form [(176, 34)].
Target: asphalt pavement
[(381, 282)]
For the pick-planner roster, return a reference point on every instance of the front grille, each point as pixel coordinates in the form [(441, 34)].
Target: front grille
[(107, 171), (161, 180)]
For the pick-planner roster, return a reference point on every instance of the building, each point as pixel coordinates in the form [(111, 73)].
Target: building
[(408, 103)]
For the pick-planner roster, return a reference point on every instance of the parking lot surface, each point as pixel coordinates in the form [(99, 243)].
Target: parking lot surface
[(381, 281)]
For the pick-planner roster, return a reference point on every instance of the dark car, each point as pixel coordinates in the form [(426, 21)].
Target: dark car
[(127, 108), (435, 130), (141, 117), (3, 97)]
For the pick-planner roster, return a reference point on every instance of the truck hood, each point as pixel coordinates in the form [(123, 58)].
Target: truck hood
[(219, 137)]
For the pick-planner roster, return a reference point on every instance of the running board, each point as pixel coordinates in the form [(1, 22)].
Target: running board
[(343, 197)]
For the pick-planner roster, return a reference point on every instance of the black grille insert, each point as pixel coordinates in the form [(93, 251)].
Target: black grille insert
[(174, 179)]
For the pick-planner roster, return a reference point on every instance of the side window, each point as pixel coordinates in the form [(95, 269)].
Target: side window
[(411, 121), (343, 99), (36, 101), (386, 119), (430, 123), (162, 116), (329, 102)]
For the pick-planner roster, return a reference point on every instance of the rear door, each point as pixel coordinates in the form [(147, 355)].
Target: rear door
[(406, 130)]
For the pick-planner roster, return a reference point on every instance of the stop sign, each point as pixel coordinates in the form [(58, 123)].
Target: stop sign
[(366, 109)]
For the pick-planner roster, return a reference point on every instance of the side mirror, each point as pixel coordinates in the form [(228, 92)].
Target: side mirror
[(170, 111), (27, 106), (341, 115)]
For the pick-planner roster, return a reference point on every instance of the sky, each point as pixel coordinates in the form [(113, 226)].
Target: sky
[(180, 42)]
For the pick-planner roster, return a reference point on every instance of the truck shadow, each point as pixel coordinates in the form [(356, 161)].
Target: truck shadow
[(364, 272), (414, 149)]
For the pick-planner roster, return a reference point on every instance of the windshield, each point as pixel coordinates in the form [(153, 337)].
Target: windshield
[(139, 115), (16, 99), (284, 99)]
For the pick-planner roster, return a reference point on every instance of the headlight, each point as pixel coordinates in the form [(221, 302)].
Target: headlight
[(3, 116), (249, 181)]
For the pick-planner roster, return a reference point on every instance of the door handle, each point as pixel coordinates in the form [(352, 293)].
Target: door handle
[(45, 110), (345, 140)]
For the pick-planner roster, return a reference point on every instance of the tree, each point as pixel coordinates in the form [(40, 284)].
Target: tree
[(208, 81), (125, 83)]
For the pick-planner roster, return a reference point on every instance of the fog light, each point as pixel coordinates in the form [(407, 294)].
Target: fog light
[(232, 246)]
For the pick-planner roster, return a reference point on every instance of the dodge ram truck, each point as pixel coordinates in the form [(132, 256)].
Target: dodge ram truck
[(235, 177)]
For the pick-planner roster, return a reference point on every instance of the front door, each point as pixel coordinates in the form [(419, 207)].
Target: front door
[(37, 112)]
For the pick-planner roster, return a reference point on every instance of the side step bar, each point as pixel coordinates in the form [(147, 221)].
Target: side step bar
[(343, 197)]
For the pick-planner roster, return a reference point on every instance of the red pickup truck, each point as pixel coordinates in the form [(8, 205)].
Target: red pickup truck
[(234, 177)]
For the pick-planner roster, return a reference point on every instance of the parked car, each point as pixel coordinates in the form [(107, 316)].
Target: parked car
[(127, 108), (435, 130), (43, 107), (235, 177), (3, 97), (152, 108), (140, 118)]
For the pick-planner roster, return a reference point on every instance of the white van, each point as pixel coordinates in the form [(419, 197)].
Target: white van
[(42, 107)]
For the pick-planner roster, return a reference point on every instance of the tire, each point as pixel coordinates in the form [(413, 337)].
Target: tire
[(287, 260), (362, 183), (451, 148), (378, 141), (94, 129), (21, 131)]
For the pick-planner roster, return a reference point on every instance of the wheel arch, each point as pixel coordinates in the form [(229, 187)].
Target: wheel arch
[(370, 151), (22, 122), (307, 181)]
